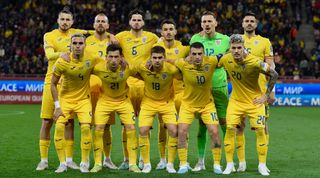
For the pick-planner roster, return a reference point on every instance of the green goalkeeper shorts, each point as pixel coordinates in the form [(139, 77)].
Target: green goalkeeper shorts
[(220, 96)]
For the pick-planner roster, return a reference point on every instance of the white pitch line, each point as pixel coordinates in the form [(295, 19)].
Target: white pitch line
[(10, 113)]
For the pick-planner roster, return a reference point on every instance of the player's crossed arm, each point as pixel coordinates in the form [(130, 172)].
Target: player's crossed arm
[(273, 76)]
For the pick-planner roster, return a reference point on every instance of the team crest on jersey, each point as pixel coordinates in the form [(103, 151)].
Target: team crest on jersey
[(144, 39), (129, 39), (59, 39), (256, 42), (87, 63), (176, 50), (218, 42), (243, 66), (164, 76), (206, 67), (121, 75)]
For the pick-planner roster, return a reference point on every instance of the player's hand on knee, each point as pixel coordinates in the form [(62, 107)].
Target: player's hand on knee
[(260, 100), (57, 113), (65, 56), (271, 98)]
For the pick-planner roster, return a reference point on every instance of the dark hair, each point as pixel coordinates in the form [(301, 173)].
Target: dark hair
[(66, 10), (158, 49), (136, 11), (167, 21), (78, 35), (114, 47), (208, 13), (250, 13), (197, 45)]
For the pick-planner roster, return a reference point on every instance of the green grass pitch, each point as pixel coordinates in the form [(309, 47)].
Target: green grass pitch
[(293, 151)]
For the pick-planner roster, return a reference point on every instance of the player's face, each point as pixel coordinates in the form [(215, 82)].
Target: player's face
[(113, 58), (249, 23), (65, 21), (237, 51), (208, 24), (196, 55), (168, 31), (77, 45), (136, 22), (157, 59), (101, 24)]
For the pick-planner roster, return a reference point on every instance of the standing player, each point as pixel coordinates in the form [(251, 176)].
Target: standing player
[(74, 98), (197, 100), (56, 44), (247, 98), (136, 45), (158, 99), (214, 43), (261, 47), (113, 98), (174, 50), (97, 45)]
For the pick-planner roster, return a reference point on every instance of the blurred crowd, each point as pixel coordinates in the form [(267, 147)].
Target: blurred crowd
[(25, 21)]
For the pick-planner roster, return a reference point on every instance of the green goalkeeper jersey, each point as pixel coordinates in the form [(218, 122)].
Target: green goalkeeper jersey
[(219, 44)]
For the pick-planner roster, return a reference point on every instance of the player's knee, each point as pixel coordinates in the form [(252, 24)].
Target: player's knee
[(100, 127), (144, 131), (47, 123), (173, 132)]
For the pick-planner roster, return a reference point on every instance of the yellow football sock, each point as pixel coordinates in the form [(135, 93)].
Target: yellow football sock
[(229, 144), (132, 146), (59, 141), (85, 142), (124, 144), (97, 146), (144, 144), (216, 153), (241, 143), (162, 140), (44, 147), (107, 140), (261, 145), (183, 155), (172, 149), (69, 148)]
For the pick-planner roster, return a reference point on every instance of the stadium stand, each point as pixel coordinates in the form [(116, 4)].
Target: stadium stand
[(24, 23)]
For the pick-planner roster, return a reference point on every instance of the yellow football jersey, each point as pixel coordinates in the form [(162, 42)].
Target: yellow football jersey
[(158, 85), (76, 74), (261, 47), (60, 42), (177, 51), (96, 46), (95, 84), (114, 84), (244, 76), (136, 49), (197, 82)]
